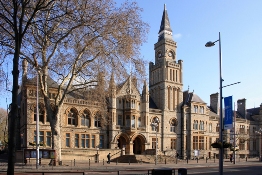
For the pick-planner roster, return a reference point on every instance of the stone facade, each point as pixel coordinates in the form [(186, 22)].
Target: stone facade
[(186, 124)]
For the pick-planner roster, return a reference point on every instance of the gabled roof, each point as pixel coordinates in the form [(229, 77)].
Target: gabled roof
[(152, 104), (196, 98), (191, 97), (50, 82)]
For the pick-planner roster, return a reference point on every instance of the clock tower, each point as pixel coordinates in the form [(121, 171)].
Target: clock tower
[(166, 82)]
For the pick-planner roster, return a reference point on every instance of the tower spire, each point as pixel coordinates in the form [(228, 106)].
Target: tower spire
[(165, 30)]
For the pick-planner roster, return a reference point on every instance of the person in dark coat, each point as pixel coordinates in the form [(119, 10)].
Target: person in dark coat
[(231, 157), (108, 158)]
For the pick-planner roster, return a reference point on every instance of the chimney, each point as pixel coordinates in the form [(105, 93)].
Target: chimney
[(241, 107), (214, 102)]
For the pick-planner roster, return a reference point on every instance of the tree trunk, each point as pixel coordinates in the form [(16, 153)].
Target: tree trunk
[(12, 117)]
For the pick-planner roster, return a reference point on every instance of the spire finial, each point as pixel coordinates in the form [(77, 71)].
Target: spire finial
[(164, 6)]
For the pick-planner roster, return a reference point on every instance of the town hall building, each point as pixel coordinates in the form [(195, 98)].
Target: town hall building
[(162, 116)]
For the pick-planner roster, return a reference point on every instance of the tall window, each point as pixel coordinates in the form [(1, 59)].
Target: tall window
[(195, 142), (41, 113), (48, 138), (217, 128), (153, 143), (67, 139), (195, 108), (210, 127), (101, 141), (93, 141), (84, 140), (168, 97), (201, 142), (41, 136), (173, 144), (71, 119), (201, 126), (201, 109), (133, 122), (139, 122), (76, 140), (173, 125), (128, 120), (120, 120), (97, 120), (85, 119)]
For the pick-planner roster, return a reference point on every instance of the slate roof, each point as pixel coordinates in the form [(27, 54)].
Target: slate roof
[(152, 103), (50, 82)]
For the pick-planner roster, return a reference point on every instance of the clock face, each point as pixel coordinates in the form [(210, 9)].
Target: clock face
[(170, 54), (159, 54)]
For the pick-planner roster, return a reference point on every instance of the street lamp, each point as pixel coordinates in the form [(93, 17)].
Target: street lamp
[(154, 124), (210, 44), (259, 142), (37, 121)]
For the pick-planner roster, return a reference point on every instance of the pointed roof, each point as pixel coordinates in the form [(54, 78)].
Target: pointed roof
[(165, 24)]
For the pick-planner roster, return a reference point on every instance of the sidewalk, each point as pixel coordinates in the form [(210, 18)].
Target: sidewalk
[(113, 166)]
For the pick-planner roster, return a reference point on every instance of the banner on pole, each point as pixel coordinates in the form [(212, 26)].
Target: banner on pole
[(228, 120)]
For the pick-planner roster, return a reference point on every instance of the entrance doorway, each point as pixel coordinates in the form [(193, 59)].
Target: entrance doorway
[(138, 145), (121, 142)]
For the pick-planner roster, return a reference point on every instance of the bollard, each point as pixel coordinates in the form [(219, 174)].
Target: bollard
[(129, 161), (246, 159), (74, 162), (39, 161), (176, 160), (141, 161), (103, 162), (197, 160), (116, 161), (206, 159), (187, 160), (165, 160), (89, 163), (71, 164), (182, 171), (118, 172)]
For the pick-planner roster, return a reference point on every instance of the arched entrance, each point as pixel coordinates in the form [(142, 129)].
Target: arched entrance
[(138, 145), (121, 142)]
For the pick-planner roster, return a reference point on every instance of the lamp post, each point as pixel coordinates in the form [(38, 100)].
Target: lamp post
[(97, 155), (259, 142), (37, 122), (155, 123), (210, 44)]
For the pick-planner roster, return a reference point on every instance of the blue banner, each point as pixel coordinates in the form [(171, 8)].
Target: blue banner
[(228, 120)]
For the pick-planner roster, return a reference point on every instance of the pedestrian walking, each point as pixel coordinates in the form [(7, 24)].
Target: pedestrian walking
[(230, 157), (108, 158)]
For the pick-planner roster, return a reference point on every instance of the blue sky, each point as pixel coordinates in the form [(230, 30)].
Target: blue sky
[(194, 22)]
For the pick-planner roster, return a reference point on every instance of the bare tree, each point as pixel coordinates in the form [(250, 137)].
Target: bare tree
[(77, 41), (16, 17), (3, 126)]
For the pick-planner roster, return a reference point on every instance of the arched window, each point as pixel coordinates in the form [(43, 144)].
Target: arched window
[(139, 122), (154, 127), (71, 118), (85, 118), (173, 124), (41, 113), (97, 120), (133, 125)]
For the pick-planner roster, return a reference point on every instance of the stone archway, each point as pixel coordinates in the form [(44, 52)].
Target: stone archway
[(122, 142), (138, 145)]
